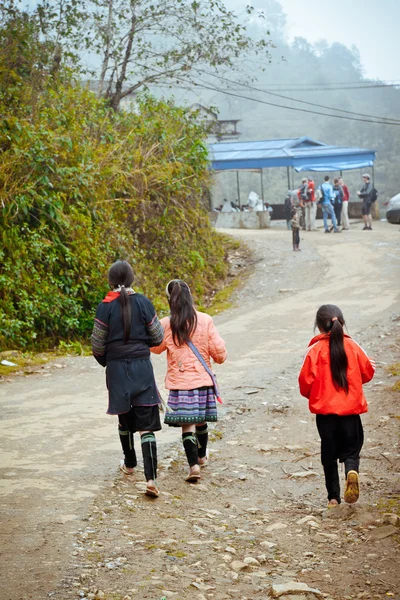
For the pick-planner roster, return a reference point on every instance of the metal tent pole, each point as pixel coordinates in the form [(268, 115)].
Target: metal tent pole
[(288, 178), (238, 188), (376, 204), (262, 188)]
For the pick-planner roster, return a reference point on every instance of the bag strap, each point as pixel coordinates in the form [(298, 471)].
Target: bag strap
[(200, 358)]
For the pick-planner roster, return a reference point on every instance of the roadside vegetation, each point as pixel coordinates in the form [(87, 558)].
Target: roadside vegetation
[(82, 185)]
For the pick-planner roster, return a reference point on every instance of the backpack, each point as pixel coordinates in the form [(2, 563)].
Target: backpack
[(374, 195), (304, 192), (338, 193)]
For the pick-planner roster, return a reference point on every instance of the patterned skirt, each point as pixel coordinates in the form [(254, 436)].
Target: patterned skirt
[(191, 406)]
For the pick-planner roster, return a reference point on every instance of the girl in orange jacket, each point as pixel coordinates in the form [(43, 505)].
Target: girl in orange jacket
[(334, 370), (191, 398)]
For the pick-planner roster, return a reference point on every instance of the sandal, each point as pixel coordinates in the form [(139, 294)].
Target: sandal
[(124, 469), (152, 491), (205, 458), (193, 476)]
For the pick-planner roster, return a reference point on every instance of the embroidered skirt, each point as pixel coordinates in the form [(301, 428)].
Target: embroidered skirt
[(191, 406)]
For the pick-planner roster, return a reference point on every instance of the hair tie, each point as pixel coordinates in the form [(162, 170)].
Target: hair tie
[(177, 281), (334, 319)]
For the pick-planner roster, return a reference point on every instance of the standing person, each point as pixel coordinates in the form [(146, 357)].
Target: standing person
[(366, 195), (295, 225), (310, 206), (192, 395), (345, 205), (125, 328), (337, 200), (326, 204), (288, 207), (331, 377), (302, 194)]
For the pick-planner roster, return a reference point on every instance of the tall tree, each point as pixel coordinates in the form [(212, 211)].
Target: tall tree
[(144, 42)]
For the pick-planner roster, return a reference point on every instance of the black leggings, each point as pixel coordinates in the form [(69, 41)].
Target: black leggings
[(338, 212), (142, 418), (342, 438)]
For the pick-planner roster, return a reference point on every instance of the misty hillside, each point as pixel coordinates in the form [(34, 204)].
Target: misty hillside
[(327, 75)]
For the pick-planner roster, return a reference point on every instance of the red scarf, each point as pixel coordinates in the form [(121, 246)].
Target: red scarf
[(111, 296)]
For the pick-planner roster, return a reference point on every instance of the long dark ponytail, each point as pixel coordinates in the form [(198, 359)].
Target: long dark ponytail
[(330, 319), (121, 276), (183, 317)]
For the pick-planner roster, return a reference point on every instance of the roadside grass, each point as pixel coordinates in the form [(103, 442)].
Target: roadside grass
[(240, 259), (223, 298), (394, 371), (389, 505), (31, 362)]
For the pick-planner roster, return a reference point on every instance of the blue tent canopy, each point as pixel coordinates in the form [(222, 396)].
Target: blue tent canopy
[(302, 154)]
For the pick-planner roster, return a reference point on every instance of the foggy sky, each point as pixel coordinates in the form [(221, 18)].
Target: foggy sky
[(371, 25)]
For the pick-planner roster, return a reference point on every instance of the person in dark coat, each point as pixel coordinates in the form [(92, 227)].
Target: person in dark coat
[(337, 200), (288, 207), (366, 196), (125, 328)]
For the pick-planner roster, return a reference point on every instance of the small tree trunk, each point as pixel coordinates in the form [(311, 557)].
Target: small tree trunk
[(104, 66)]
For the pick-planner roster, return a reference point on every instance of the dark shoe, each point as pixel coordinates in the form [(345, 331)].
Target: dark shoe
[(365, 228), (336, 231), (327, 231), (369, 228)]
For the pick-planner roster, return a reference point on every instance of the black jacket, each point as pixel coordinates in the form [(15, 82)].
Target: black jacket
[(108, 332), (365, 192)]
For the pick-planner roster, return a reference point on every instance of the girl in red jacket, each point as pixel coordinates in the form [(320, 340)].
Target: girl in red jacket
[(333, 372)]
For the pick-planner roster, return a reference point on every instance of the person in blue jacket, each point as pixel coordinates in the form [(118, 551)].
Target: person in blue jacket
[(326, 205)]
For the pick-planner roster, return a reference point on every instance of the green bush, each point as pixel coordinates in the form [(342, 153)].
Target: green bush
[(81, 186)]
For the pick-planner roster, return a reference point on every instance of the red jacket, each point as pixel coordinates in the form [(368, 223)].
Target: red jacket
[(315, 378), (346, 193)]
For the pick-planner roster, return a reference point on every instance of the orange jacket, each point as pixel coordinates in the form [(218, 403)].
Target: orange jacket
[(184, 371), (315, 379), (311, 190)]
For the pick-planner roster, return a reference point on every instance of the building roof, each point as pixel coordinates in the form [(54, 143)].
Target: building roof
[(302, 153)]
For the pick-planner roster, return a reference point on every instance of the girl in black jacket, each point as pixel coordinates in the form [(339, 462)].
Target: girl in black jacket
[(125, 328)]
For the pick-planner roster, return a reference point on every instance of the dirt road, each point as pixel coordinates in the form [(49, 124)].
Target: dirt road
[(72, 527)]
